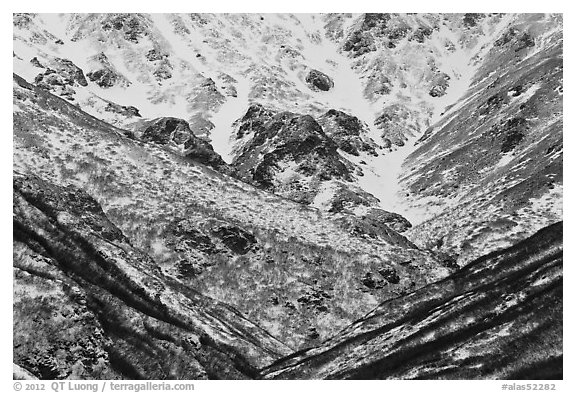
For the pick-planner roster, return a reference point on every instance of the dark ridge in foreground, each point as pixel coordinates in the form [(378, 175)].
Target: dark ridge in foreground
[(498, 318), (88, 305)]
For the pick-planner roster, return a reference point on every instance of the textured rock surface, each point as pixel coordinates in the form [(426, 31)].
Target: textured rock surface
[(177, 132), (319, 81), (348, 132)]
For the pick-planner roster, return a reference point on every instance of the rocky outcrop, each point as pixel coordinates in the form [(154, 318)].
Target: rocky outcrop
[(498, 318), (348, 132), (370, 227), (397, 125), (319, 81), (177, 132), (440, 83), (287, 139), (131, 26), (52, 81), (235, 238), (60, 76), (104, 77), (254, 120), (127, 111), (104, 74), (393, 220), (201, 243), (87, 305)]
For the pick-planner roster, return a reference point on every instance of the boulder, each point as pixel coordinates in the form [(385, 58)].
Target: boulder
[(319, 81)]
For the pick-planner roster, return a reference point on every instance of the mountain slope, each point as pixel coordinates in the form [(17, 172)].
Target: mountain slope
[(86, 284), (402, 76), (491, 168), (302, 170), (499, 317), (296, 271)]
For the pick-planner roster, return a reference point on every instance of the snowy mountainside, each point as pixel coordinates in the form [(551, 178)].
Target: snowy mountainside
[(300, 273), (282, 176), (490, 171), (208, 69)]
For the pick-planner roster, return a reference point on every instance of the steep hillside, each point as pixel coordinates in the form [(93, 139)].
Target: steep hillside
[(233, 189), (491, 169), (300, 273), (88, 305), (500, 317), (400, 76)]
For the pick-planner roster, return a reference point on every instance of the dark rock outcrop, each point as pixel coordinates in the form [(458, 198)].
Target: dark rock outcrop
[(396, 124), (500, 317), (440, 83), (128, 111), (155, 54), (319, 81), (392, 220), (369, 227), (287, 138), (165, 130), (254, 120), (104, 77), (235, 238), (131, 26), (104, 74), (171, 130), (471, 19), (60, 76), (348, 132), (362, 40)]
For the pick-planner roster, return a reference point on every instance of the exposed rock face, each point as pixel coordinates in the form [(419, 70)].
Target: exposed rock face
[(287, 139), (170, 130), (104, 77), (348, 132), (440, 83), (165, 130), (130, 25), (346, 198), (235, 238), (103, 307), (498, 318), (60, 77), (319, 81), (397, 125), (393, 220), (128, 111), (104, 74), (369, 227), (254, 120)]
